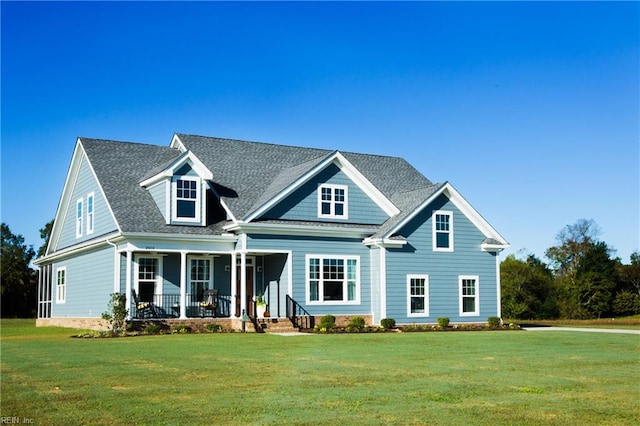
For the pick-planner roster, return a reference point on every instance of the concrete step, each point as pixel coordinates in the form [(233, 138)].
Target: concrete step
[(276, 325)]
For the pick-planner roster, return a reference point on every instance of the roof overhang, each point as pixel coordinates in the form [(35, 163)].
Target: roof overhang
[(385, 242), (299, 230), (186, 157)]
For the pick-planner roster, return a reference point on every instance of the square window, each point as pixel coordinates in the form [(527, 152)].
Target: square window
[(332, 201)]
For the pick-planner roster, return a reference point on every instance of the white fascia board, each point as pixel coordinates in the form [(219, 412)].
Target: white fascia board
[(299, 230), (180, 237), (493, 247), (176, 143), (345, 166), (384, 242), (187, 157), (78, 249), (463, 205)]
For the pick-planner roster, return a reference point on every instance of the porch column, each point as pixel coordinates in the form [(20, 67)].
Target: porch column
[(243, 282), (234, 280), (183, 285), (128, 283)]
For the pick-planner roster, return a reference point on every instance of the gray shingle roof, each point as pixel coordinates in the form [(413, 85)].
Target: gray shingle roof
[(246, 174)]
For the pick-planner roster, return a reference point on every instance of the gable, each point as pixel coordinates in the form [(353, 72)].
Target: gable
[(83, 213), (302, 203)]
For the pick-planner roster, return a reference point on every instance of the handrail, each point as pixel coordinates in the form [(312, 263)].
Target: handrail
[(298, 316)]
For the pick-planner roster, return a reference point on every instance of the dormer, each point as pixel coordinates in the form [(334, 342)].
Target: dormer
[(180, 190)]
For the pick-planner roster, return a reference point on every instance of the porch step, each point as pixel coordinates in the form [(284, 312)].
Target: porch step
[(276, 325)]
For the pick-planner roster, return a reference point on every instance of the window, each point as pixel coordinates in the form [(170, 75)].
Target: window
[(90, 220), (333, 280), (148, 276), (442, 230), (186, 204), (79, 218), (61, 285), (469, 304), (200, 276), (418, 295), (332, 201)]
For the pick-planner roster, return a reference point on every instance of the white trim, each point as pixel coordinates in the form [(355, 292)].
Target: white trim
[(434, 231), (345, 280), (198, 201), (332, 203), (61, 296), (91, 215), (385, 242), (476, 278), (424, 277), (158, 279), (465, 208), (176, 143), (498, 288), (187, 157), (383, 281), (348, 169), (79, 220), (304, 230)]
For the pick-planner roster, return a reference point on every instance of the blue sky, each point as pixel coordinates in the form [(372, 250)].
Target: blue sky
[(531, 110)]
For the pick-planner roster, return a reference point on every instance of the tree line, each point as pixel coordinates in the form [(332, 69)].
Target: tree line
[(582, 279)]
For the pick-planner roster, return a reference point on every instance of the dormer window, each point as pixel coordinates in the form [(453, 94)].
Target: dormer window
[(333, 201), (186, 199)]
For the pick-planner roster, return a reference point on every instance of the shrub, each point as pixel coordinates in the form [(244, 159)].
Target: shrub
[(494, 322), (388, 323), (214, 328), (152, 328), (117, 312), (182, 329), (327, 322), (356, 324), (443, 322)]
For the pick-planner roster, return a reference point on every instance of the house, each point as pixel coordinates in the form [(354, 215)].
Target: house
[(307, 231)]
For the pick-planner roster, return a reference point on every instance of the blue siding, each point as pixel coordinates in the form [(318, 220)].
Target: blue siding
[(159, 194), (300, 247), (443, 269), (89, 285), (303, 203), (103, 220)]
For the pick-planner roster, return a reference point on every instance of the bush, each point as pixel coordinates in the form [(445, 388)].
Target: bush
[(327, 322), (182, 329), (626, 303), (388, 323), (356, 324), (494, 322), (116, 317), (214, 328), (152, 328), (443, 322)]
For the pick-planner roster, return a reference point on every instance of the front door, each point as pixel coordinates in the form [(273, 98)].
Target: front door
[(249, 279)]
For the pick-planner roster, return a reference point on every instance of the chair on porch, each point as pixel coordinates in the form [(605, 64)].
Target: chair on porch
[(209, 303), (143, 309)]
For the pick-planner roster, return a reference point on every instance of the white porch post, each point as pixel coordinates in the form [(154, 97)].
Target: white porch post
[(128, 283), (243, 282), (183, 285), (234, 279)]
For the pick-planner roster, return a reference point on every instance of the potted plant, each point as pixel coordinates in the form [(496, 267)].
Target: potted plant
[(261, 307)]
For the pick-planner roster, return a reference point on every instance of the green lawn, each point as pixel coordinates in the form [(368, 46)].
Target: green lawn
[(449, 378)]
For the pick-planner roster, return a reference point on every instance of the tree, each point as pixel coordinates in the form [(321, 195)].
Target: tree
[(627, 300), (18, 285), (596, 278), (45, 234), (526, 288)]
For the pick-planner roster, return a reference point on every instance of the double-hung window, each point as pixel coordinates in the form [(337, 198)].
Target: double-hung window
[(61, 285), (149, 278), (79, 216), (418, 295), (186, 199), (333, 201), (442, 230), (333, 280), (469, 302), (90, 215), (200, 276)]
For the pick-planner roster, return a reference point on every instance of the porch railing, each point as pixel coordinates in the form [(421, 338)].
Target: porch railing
[(168, 306), (298, 316)]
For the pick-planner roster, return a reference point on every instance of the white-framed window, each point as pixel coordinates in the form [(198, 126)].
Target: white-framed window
[(186, 199), (418, 295), (79, 218), (333, 279), (149, 278), (61, 285), (442, 230), (333, 201), (469, 295), (90, 215), (200, 275)]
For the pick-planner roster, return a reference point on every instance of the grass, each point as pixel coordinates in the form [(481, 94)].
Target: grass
[(479, 378), (632, 322)]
